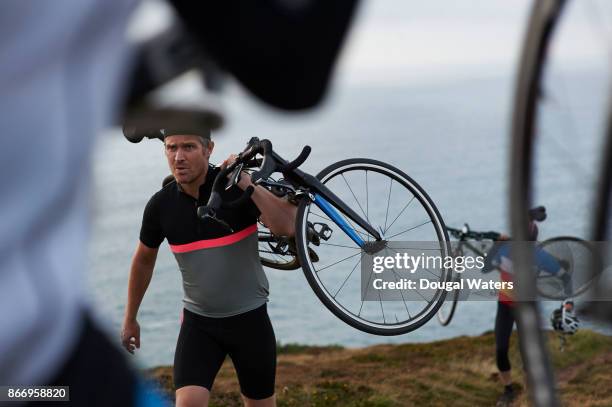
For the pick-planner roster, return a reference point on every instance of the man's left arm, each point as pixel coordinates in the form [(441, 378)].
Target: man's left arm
[(276, 213)]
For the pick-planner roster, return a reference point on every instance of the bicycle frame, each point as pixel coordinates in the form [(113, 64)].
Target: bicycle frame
[(465, 243), (328, 202), (307, 185), (329, 210)]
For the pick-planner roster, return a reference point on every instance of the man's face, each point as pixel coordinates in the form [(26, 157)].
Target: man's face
[(187, 157)]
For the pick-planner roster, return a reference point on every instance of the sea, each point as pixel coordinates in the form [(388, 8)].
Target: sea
[(451, 136)]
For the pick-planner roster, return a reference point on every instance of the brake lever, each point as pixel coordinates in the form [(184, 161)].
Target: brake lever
[(223, 223), (207, 213), (234, 176), (268, 166)]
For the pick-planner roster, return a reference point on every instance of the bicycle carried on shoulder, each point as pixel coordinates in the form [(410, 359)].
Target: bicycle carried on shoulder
[(351, 208), (574, 254), (474, 242)]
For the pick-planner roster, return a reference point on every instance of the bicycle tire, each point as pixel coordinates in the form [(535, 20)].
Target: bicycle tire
[(542, 22), (446, 316), (602, 221), (593, 260), (270, 259), (340, 311)]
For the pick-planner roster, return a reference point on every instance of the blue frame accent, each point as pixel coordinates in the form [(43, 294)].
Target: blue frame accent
[(329, 210)]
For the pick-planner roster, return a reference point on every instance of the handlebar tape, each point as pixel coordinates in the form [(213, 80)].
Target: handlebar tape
[(474, 235), (491, 235), (268, 166), (210, 209), (298, 161)]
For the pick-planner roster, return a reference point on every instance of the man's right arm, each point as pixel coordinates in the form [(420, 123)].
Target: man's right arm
[(141, 272)]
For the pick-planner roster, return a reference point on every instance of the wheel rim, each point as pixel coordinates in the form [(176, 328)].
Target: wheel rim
[(579, 255), (269, 257), (449, 306), (533, 172), (338, 289)]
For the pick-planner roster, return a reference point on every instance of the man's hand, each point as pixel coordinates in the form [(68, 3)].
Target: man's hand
[(245, 180), (277, 214), (229, 160), (141, 272), (130, 336)]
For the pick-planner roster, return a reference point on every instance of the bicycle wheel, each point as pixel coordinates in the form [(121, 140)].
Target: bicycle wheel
[(557, 147), (392, 203), (275, 253), (447, 309), (602, 219), (578, 256)]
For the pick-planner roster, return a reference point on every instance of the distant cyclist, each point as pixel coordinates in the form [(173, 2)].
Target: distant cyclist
[(225, 288), (500, 258)]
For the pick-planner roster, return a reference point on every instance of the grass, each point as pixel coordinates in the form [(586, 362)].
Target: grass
[(457, 372), (293, 348)]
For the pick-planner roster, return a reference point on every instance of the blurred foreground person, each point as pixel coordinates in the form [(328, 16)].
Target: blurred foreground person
[(63, 74)]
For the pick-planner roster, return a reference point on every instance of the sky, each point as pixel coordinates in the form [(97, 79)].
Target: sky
[(402, 40), (406, 41), (397, 41)]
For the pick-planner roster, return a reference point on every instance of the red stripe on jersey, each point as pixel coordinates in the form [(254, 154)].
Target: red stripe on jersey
[(218, 242)]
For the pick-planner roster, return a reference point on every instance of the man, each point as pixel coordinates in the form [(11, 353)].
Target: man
[(225, 289)]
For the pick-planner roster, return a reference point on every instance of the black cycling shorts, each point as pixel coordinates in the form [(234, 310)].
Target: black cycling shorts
[(504, 321), (248, 339)]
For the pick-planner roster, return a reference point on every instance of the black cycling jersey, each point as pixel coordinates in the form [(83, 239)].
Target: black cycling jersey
[(172, 214), (220, 266)]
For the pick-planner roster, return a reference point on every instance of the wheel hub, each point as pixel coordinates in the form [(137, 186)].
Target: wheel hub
[(374, 246)]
